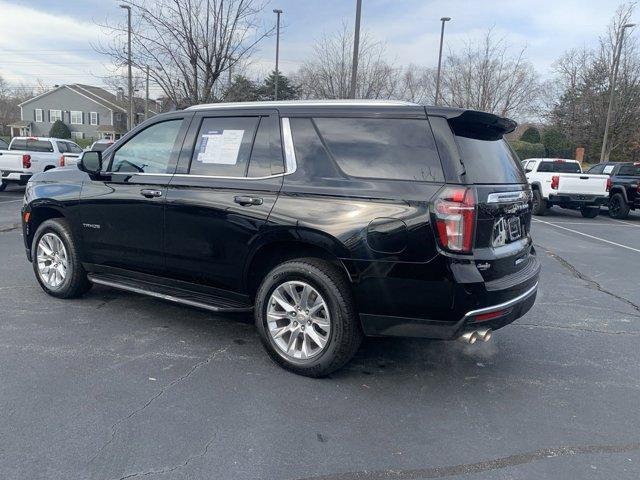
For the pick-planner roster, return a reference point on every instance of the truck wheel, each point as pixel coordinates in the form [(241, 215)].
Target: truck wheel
[(590, 212), (539, 204), (3, 185), (618, 207), (56, 262), (306, 317)]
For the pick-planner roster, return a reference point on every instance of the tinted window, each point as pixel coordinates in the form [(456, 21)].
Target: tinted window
[(597, 169), (558, 166), (489, 161), (223, 146), (100, 147), (73, 148), (19, 144), (149, 151), (39, 146), (633, 170), (63, 147), (313, 160), (398, 149), (266, 155), (3, 145)]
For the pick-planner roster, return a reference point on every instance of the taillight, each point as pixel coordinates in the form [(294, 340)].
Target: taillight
[(26, 161), (609, 183), (61, 161), (555, 181), (455, 212)]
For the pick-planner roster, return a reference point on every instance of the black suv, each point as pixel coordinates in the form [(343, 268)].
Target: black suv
[(625, 187), (328, 220)]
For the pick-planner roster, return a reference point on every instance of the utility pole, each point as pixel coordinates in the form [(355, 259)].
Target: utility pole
[(278, 13), (612, 88), (356, 47), (443, 20), (130, 119), (146, 98)]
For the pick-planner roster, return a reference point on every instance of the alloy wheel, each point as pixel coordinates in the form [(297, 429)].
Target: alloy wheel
[(298, 320), (52, 259)]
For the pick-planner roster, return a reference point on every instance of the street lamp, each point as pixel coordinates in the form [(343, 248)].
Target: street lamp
[(130, 120), (278, 13), (356, 47), (612, 87), (443, 20)]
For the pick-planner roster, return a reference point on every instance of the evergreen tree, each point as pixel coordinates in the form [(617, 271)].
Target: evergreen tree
[(59, 130), (241, 90), (286, 90), (531, 135)]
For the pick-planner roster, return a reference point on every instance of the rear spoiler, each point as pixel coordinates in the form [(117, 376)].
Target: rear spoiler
[(475, 124)]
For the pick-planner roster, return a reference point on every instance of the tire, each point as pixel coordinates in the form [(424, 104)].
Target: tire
[(540, 207), (590, 212), (618, 207), (75, 282), (334, 292), (3, 186)]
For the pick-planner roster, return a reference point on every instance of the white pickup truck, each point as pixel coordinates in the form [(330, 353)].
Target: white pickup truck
[(560, 182), (29, 155)]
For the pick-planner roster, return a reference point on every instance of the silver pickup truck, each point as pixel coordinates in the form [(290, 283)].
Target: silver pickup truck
[(29, 155)]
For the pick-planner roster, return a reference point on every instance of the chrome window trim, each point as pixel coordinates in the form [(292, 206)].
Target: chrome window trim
[(289, 151)]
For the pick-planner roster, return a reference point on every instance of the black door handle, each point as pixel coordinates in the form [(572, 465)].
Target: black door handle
[(246, 200), (150, 193)]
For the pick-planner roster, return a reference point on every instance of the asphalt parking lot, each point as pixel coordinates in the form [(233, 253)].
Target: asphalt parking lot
[(116, 385)]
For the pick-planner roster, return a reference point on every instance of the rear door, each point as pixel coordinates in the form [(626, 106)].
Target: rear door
[(220, 199)]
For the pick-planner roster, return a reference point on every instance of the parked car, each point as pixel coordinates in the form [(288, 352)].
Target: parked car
[(625, 187), (29, 155), (557, 181), (328, 220), (3, 145)]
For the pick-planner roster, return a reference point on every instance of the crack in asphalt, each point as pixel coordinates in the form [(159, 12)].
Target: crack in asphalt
[(488, 465), (577, 329), (192, 370), (9, 228), (164, 470), (581, 276)]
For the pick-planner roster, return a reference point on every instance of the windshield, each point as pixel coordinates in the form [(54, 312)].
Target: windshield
[(559, 166)]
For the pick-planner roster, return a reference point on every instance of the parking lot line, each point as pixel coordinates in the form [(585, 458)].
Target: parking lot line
[(593, 224), (589, 236), (11, 201)]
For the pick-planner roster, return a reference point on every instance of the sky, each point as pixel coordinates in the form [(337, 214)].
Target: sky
[(51, 40)]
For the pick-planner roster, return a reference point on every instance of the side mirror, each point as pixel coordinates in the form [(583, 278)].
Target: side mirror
[(91, 163)]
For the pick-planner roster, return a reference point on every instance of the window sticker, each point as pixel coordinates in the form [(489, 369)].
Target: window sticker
[(220, 147), (608, 169)]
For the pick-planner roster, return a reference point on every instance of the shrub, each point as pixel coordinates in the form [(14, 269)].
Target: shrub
[(556, 144), (531, 135), (527, 150), (59, 130)]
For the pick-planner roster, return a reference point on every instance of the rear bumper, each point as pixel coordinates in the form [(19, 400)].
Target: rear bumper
[(478, 305), (575, 200), (19, 177)]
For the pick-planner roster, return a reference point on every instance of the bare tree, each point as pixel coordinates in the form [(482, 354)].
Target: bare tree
[(10, 99), (417, 84), (486, 76), (187, 44), (328, 73)]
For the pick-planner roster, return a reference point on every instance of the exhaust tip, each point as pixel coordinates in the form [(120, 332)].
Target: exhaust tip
[(484, 334), (468, 337)]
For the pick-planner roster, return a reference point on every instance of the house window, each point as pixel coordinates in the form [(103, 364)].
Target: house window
[(77, 135), (39, 114), (55, 115), (93, 117), (76, 118)]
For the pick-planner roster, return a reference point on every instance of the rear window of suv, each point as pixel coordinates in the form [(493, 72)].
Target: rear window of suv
[(558, 166), (489, 161), (389, 148)]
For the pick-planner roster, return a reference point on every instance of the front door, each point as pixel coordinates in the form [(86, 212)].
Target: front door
[(221, 196), (122, 220)]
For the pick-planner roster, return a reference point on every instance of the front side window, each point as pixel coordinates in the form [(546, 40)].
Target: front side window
[(598, 169), (93, 118), (223, 146), (389, 148), (76, 117), (55, 115), (150, 151), (39, 115), (266, 154)]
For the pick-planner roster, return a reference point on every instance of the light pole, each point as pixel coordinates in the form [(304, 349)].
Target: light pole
[(278, 13), (356, 47), (612, 87), (443, 20), (130, 119)]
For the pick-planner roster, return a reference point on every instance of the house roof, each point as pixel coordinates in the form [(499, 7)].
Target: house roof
[(19, 124), (98, 95)]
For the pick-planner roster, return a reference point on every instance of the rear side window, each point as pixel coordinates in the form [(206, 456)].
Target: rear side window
[(223, 146), (39, 146), (395, 149), (19, 144), (266, 155), (489, 161), (558, 166), (632, 170), (63, 147)]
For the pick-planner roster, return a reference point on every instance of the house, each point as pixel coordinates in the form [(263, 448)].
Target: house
[(89, 112)]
